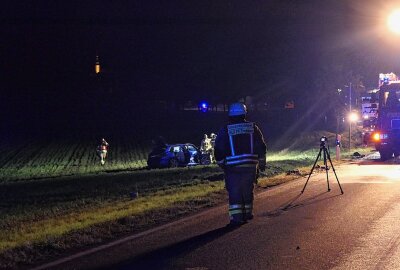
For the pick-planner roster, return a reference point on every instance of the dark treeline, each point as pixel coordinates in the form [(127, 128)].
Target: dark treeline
[(96, 115)]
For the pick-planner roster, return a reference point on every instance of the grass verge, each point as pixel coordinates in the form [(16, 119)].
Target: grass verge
[(40, 230)]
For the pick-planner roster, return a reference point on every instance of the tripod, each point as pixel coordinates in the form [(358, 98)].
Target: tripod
[(327, 156)]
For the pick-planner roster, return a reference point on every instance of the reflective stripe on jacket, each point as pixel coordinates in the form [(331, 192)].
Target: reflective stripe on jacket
[(240, 144), (241, 159)]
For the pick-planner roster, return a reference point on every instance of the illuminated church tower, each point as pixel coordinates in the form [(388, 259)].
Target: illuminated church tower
[(97, 65)]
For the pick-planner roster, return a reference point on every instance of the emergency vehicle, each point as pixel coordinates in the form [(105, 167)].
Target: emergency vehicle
[(387, 133), (369, 114)]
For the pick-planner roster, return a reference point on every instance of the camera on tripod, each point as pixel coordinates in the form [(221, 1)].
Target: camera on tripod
[(323, 141)]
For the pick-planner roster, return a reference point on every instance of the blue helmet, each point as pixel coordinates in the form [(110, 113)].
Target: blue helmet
[(236, 109)]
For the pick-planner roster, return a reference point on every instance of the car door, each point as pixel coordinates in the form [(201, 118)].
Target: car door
[(193, 152), (179, 154)]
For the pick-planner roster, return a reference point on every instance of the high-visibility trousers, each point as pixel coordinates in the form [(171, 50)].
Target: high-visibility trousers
[(239, 182)]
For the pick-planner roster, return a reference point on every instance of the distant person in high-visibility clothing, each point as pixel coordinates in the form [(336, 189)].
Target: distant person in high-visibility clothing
[(205, 144), (205, 150), (213, 137), (102, 150), (240, 151)]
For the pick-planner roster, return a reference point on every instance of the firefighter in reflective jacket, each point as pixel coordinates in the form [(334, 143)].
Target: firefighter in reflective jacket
[(102, 149), (240, 151)]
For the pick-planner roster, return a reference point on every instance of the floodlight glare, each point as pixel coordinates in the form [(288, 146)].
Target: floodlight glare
[(353, 117), (393, 21)]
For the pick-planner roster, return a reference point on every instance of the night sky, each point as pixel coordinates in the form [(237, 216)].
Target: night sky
[(194, 49)]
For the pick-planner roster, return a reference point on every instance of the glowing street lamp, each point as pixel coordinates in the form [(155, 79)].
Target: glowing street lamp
[(352, 117), (393, 21)]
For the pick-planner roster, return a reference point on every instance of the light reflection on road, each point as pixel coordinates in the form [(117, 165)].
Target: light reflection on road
[(370, 170)]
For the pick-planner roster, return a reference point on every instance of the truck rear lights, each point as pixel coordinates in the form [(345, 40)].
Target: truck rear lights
[(379, 136)]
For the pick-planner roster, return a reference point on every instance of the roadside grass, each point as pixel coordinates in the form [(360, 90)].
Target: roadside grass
[(298, 164), (36, 231)]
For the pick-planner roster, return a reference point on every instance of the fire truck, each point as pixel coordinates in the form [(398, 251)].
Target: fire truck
[(387, 132), (369, 110)]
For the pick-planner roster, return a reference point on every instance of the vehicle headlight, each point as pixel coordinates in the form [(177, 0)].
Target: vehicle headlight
[(376, 136), (380, 136)]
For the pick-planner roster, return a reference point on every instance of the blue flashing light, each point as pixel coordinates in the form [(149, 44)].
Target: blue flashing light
[(204, 106)]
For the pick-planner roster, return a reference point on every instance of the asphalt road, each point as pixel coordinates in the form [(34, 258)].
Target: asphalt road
[(314, 230)]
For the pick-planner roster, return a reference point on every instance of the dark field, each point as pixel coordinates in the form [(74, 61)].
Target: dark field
[(48, 147)]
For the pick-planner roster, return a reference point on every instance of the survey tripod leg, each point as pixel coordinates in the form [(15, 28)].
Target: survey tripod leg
[(333, 168), (326, 167), (316, 160)]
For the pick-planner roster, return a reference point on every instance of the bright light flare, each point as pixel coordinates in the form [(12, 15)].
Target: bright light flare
[(376, 136), (353, 117), (393, 21)]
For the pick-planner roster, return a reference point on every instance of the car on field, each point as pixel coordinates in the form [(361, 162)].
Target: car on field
[(174, 155)]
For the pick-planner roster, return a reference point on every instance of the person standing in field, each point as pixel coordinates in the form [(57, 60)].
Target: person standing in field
[(205, 144), (213, 137), (102, 150), (240, 151), (205, 150)]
